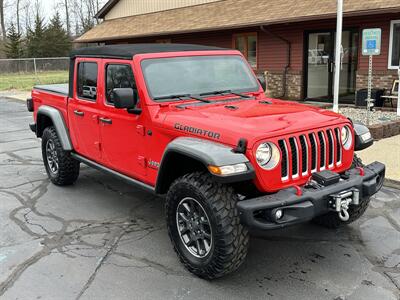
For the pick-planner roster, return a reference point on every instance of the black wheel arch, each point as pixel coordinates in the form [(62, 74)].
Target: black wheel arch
[(50, 116), (187, 155)]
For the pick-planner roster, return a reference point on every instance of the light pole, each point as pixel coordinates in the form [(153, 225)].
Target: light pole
[(338, 55)]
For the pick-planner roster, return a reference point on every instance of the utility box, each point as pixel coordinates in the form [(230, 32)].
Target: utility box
[(362, 95)]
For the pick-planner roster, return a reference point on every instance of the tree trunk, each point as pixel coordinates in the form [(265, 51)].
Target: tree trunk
[(67, 17), (2, 21), (18, 25)]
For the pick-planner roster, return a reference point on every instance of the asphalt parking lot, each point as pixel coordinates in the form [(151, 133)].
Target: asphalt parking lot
[(103, 239)]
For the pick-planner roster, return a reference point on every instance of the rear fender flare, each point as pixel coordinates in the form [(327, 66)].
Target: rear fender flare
[(58, 121)]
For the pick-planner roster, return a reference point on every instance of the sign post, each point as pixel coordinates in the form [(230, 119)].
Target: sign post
[(371, 45), (398, 94)]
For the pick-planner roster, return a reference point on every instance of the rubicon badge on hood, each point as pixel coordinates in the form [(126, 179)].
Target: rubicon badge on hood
[(198, 131)]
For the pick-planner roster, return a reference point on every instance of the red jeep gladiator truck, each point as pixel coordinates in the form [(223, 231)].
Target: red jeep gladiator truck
[(193, 123)]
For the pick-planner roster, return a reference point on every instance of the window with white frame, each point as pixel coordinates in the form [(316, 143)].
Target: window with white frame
[(394, 46)]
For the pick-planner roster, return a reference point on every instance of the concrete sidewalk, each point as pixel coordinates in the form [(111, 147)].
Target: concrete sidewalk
[(16, 94), (386, 151)]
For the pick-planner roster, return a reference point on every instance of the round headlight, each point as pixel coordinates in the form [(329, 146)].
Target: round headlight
[(346, 137), (267, 156)]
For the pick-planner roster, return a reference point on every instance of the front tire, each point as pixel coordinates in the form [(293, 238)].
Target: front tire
[(204, 226), (332, 220), (61, 167)]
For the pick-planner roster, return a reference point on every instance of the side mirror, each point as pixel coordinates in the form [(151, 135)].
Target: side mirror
[(126, 98), (262, 81)]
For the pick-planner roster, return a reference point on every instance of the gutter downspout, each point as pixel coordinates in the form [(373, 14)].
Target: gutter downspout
[(288, 59)]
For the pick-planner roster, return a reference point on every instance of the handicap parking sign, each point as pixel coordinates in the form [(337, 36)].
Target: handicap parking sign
[(371, 41), (371, 44)]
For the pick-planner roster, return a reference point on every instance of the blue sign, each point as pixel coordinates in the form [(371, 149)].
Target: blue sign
[(371, 44), (371, 41)]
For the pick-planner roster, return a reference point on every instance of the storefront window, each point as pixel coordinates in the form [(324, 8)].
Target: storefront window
[(394, 48), (247, 44)]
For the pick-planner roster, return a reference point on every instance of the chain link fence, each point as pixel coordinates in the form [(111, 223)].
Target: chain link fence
[(24, 73)]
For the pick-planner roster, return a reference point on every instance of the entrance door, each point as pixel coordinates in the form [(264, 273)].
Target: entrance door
[(320, 65)]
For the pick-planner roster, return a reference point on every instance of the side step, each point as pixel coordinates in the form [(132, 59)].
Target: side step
[(125, 178)]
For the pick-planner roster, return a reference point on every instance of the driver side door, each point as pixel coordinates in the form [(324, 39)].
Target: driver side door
[(122, 133)]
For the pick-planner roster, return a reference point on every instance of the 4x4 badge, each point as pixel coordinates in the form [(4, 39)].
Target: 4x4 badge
[(153, 164)]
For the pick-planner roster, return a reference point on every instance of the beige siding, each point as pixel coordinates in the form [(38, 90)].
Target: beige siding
[(126, 8)]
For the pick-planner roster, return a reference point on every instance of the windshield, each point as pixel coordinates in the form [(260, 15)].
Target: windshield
[(197, 75)]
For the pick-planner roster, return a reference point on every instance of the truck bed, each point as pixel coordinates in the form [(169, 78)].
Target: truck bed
[(54, 95), (54, 88)]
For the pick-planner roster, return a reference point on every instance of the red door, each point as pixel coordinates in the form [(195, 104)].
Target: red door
[(122, 133), (83, 110)]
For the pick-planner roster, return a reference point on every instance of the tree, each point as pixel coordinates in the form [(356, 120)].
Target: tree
[(35, 38), (57, 41), (13, 46)]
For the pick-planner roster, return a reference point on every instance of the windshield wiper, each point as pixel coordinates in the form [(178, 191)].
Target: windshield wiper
[(181, 96), (222, 92)]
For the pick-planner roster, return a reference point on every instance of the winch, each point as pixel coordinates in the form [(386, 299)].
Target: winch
[(340, 202)]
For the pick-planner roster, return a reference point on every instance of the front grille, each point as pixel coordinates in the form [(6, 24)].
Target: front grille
[(284, 162), (305, 154)]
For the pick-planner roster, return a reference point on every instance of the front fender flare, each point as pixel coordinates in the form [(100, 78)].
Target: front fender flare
[(208, 153), (58, 122)]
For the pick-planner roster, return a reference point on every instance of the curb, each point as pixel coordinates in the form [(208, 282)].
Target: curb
[(385, 130), (395, 184)]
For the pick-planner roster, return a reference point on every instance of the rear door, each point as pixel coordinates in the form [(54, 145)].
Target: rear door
[(122, 133), (83, 109)]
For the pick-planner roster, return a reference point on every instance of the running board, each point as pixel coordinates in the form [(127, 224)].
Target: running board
[(125, 178)]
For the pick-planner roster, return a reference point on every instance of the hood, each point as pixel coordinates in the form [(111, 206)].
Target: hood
[(250, 119)]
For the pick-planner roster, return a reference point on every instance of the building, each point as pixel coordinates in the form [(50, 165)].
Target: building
[(291, 42)]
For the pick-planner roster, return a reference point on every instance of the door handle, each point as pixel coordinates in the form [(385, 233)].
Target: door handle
[(79, 113), (105, 120)]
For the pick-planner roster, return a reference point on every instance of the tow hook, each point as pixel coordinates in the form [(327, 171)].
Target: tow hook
[(340, 202)]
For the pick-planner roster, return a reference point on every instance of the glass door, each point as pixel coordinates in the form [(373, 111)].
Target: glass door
[(320, 66)]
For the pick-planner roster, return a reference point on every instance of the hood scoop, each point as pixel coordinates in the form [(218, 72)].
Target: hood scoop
[(231, 107)]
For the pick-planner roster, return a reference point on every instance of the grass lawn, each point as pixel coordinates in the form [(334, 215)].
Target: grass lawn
[(25, 81)]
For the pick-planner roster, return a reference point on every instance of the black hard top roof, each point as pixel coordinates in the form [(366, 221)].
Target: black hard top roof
[(128, 51)]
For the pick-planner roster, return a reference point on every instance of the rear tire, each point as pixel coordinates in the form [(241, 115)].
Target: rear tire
[(332, 220), (61, 167), (225, 236)]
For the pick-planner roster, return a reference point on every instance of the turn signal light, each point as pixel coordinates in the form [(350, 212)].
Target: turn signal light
[(228, 170)]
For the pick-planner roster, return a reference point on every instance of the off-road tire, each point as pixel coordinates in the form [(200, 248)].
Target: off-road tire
[(230, 237), (332, 220), (68, 167)]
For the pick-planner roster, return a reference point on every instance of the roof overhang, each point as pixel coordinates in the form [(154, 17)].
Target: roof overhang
[(105, 9), (105, 31)]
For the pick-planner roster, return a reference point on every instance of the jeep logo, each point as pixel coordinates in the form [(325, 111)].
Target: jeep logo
[(197, 131)]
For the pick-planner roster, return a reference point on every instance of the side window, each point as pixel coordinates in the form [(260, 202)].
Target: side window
[(87, 80), (118, 76)]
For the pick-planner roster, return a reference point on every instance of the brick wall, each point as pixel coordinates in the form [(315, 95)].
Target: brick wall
[(380, 80), (275, 85)]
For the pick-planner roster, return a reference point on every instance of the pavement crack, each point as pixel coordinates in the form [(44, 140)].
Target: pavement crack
[(101, 262)]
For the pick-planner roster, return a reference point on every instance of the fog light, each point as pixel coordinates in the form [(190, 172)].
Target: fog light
[(278, 214)]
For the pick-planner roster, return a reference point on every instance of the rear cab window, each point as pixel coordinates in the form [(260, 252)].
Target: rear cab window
[(87, 81)]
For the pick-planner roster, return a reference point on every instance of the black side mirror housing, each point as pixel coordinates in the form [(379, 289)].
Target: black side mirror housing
[(126, 98), (262, 81), (363, 137)]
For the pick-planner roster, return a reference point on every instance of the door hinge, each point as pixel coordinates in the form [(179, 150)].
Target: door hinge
[(142, 161), (140, 129), (98, 145)]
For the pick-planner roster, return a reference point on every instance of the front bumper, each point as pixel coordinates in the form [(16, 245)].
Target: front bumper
[(258, 212)]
